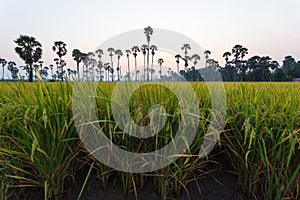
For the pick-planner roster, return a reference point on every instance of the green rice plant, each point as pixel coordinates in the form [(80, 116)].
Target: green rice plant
[(39, 139), (263, 138)]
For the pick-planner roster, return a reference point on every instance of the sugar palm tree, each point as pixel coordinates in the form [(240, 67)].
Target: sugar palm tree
[(29, 50), (195, 59), (148, 32), (51, 69), (77, 56), (119, 53), (226, 56), (160, 62), (144, 48), (206, 53), (185, 48), (135, 49), (177, 61), (3, 62), (60, 48), (107, 67), (92, 62), (128, 65), (153, 48), (111, 54), (11, 67)]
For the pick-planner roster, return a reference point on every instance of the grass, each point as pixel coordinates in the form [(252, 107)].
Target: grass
[(40, 148)]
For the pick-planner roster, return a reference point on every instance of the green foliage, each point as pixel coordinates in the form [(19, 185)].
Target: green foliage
[(39, 146)]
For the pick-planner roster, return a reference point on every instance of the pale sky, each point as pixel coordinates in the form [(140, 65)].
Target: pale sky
[(265, 27)]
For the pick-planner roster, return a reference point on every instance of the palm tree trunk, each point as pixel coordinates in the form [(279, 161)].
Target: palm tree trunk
[(152, 67), (135, 69), (128, 68), (30, 73), (78, 71), (148, 62)]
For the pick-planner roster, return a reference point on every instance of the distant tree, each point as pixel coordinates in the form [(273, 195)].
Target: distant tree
[(160, 62), (144, 51), (60, 48), (239, 52), (226, 56), (185, 49), (119, 53), (13, 70), (135, 50), (178, 57), (148, 32), (78, 57), (111, 54), (153, 48), (29, 50), (3, 62), (100, 53), (279, 75), (128, 52), (206, 53)]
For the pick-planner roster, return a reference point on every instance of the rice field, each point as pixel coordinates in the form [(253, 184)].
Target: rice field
[(40, 147)]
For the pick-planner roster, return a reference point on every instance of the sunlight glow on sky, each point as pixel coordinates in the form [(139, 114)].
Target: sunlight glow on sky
[(269, 27)]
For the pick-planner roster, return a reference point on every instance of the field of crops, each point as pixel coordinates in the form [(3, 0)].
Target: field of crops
[(40, 147)]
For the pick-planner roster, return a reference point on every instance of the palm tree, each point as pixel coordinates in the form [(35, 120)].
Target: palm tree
[(119, 53), (128, 66), (111, 54), (135, 49), (77, 56), (29, 50), (3, 63), (160, 62), (144, 51), (51, 68), (226, 55), (206, 53), (60, 48), (186, 47), (107, 67), (153, 48), (195, 57), (11, 67), (177, 61), (148, 31)]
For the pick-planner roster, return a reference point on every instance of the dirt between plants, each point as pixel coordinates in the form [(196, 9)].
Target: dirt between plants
[(219, 184)]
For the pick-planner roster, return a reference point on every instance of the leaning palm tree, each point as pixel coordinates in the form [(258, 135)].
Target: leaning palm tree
[(153, 48), (135, 49), (119, 53), (29, 49), (148, 31), (144, 48), (77, 56), (128, 66), (111, 54), (60, 48), (160, 62), (206, 53), (3, 62)]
